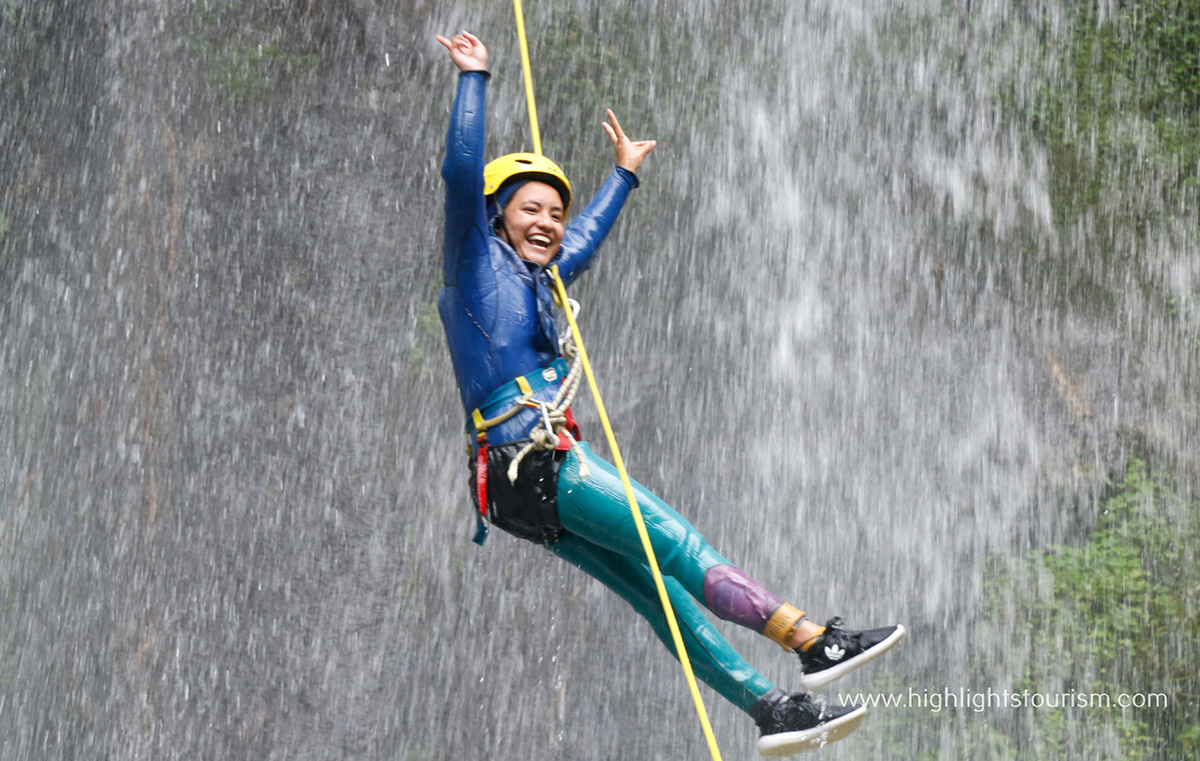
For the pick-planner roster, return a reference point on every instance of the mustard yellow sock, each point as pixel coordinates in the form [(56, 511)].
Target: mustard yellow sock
[(781, 626)]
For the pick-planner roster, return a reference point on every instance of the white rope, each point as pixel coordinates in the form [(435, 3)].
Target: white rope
[(545, 437)]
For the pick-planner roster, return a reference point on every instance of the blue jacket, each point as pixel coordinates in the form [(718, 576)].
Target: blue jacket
[(497, 308)]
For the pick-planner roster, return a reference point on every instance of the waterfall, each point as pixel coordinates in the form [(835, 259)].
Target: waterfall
[(847, 326)]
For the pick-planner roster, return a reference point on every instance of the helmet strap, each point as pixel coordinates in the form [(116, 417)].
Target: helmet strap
[(500, 201)]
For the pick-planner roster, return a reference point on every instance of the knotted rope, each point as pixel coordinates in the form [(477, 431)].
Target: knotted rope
[(554, 416)]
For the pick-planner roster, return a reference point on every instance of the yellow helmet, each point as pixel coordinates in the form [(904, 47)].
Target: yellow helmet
[(529, 166)]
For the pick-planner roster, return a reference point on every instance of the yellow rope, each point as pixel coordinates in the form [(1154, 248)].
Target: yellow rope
[(533, 120), (651, 560)]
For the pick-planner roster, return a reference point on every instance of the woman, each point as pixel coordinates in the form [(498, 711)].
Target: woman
[(505, 225)]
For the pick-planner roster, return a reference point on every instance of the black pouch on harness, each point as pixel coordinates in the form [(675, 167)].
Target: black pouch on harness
[(527, 509)]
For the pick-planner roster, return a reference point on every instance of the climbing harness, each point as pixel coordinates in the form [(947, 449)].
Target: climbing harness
[(557, 430)]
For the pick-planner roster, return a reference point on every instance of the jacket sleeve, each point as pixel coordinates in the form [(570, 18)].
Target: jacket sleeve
[(587, 231), (462, 169)]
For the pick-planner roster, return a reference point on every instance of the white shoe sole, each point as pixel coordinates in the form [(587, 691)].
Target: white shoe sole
[(817, 680), (791, 743)]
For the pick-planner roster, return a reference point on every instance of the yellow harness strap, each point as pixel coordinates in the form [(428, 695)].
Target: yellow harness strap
[(482, 425)]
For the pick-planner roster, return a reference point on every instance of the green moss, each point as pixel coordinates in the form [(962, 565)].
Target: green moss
[(247, 73), (243, 57), (10, 11), (429, 327), (1125, 111), (26, 48), (1115, 614)]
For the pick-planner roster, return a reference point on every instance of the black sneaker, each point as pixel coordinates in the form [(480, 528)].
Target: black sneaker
[(792, 724), (839, 651)]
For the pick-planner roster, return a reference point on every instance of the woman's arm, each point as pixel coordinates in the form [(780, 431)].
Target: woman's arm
[(588, 230), (462, 167)]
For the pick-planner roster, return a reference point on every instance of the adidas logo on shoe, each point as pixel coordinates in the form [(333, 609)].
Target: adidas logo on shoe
[(835, 653), (839, 651)]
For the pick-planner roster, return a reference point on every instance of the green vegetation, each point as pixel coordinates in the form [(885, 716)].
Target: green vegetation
[(1125, 112), (1069, 632), (10, 11), (1117, 614), (247, 73), (429, 327), (429, 331), (244, 58), (8, 637), (26, 48)]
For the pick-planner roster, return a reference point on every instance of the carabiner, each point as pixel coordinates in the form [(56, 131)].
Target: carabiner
[(546, 417)]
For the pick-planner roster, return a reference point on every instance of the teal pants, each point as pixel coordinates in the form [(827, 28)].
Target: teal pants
[(603, 541)]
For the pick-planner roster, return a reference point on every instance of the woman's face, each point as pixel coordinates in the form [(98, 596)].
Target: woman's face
[(533, 222)]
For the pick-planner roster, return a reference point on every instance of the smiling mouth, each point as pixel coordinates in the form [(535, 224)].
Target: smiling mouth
[(541, 241)]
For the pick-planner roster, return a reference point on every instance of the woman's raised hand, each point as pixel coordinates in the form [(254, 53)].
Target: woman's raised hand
[(630, 153), (466, 51)]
